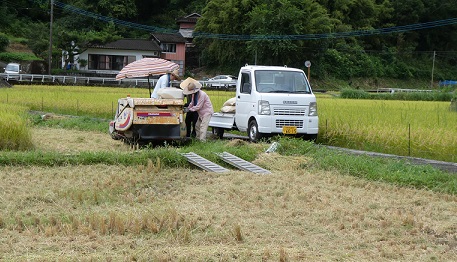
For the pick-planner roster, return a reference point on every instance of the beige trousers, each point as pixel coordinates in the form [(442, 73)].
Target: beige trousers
[(201, 127)]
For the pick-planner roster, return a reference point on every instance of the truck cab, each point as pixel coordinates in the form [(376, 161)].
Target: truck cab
[(12, 71), (272, 100)]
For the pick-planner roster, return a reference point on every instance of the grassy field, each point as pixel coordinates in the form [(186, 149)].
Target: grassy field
[(107, 202)]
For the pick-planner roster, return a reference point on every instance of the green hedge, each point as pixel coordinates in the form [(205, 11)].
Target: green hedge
[(8, 57), (407, 96), (4, 42)]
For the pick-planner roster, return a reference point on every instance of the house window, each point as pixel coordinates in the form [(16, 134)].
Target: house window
[(168, 48), (109, 62)]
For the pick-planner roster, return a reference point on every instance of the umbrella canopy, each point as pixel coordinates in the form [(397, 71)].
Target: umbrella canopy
[(146, 67)]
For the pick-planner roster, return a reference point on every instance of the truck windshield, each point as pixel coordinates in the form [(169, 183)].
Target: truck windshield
[(274, 81)]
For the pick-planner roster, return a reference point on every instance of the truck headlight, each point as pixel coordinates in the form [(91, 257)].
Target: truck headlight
[(264, 107), (312, 109)]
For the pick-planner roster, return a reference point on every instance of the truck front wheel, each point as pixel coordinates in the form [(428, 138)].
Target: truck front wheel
[(253, 131)]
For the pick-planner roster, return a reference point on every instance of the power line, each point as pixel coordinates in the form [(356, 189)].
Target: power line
[(83, 12), (357, 33)]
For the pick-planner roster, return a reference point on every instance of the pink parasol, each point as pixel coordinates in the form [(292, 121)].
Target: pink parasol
[(147, 67)]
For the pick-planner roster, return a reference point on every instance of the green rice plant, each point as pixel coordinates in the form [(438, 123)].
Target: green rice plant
[(100, 102), (219, 97), (410, 128), (14, 128)]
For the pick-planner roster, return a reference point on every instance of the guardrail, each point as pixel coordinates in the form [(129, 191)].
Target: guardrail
[(393, 90), (101, 81), (74, 80)]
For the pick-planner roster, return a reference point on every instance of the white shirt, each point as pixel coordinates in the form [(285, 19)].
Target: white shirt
[(163, 82)]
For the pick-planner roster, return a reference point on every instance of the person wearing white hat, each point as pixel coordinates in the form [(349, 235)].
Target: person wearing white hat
[(200, 103), (165, 81)]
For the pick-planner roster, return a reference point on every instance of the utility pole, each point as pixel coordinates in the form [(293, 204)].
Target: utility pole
[(50, 38), (433, 69)]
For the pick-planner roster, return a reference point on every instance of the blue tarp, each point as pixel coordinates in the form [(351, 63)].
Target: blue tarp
[(448, 82)]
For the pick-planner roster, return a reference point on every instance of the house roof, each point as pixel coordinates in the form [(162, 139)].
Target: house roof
[(168, 38), (192, 18), (131, 44), (187, 33)]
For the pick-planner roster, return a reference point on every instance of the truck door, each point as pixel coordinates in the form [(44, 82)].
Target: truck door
[(244, 104)]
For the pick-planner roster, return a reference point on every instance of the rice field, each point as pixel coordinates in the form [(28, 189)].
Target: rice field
[(409, 128), (15, 134), (79, 100)]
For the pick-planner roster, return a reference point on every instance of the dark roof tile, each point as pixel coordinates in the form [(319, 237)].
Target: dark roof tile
[(168, 38)]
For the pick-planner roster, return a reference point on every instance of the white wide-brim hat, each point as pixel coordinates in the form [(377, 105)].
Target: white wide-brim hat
[(176, 74), (190, 86)]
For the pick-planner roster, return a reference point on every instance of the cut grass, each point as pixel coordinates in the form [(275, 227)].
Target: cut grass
[(71, 199), (114, 212)]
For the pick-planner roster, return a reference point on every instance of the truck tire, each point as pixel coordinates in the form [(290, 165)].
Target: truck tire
[(219, 132), (253, 131)]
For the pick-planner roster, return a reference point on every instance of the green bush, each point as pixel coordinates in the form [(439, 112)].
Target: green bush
[(4, 42), (11, 57), (350, 93)]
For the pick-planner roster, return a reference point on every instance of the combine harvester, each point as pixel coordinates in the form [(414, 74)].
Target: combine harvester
[(140, 121)]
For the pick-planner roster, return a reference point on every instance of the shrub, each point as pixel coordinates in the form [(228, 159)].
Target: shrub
[(4, 42), (11, 57), (354, 94)]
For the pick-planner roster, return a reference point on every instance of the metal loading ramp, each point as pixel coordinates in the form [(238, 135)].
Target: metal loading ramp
[(241, 163), (203, 163)]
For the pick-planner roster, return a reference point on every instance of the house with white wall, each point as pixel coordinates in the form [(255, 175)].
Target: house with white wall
[(110, 58)]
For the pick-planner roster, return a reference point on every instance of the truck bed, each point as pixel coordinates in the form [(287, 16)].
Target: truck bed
[(222, 120)]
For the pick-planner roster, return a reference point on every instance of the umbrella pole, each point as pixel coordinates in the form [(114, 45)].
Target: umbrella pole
[(149, 86)]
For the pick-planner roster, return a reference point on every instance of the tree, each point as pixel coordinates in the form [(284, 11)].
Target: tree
[(284, 19), (257, 23), (74, 42), (38, 36), (224, 17)]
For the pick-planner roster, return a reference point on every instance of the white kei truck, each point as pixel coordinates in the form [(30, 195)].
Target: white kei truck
[(270, 100)]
